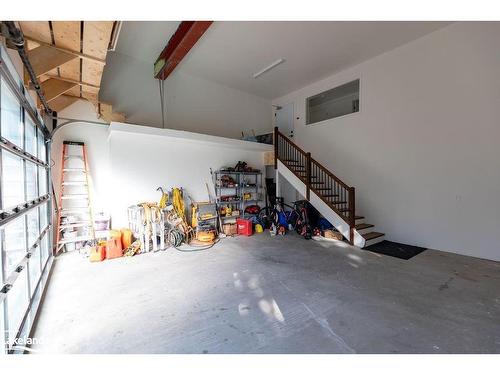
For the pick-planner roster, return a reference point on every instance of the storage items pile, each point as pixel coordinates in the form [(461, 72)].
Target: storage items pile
[(233, 211)]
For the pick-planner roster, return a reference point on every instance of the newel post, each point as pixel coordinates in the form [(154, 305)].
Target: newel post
[(308, 175), (276, 133), (352, 214)]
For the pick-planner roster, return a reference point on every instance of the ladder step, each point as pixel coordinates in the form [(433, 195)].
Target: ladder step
[(67, 226), (75, 196), (64, 222), (76, 239), (76, 209), (73, 170), (74, 183)]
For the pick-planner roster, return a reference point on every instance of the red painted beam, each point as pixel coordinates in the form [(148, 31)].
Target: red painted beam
[(184, 38)]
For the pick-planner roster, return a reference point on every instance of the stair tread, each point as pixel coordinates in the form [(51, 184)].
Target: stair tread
[(364, 226), (356, 217), (329, 195), (372, 235), (338, 202)]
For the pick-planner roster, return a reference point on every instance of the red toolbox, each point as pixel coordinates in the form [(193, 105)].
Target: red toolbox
[(244, 227)]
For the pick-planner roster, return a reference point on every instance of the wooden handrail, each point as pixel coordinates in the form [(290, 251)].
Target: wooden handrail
[(305, 164), (286, 139)]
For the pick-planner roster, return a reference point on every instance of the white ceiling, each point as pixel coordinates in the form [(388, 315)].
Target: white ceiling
[(229, 53), (144, 40)]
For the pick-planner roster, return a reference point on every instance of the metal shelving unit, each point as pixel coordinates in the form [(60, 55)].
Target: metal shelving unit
[(244, 183)]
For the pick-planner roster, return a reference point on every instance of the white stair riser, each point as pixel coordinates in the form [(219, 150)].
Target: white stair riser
[(360, 221), (374, 241), (365, 230)]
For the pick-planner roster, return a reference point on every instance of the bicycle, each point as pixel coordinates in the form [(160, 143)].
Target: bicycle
[(277, 216)]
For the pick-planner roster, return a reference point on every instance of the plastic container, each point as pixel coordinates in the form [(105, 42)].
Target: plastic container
[(114, 248), (114, 233), (244, 227), (126, 237), (97, 254), (101, 222)]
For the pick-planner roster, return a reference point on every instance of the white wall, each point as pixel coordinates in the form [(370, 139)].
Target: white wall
[(95, 138), (128, 162), (192, 104), (424, 151)]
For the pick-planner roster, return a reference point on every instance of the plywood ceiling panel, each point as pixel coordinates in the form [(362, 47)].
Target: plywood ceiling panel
[(67, 35), (39, 30), (96, 37), (81, 76), (61, 102)]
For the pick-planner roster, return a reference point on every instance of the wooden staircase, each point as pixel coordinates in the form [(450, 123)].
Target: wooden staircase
[(333, 198)]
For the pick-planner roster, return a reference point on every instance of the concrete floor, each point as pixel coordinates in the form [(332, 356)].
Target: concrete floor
[(265, 294)]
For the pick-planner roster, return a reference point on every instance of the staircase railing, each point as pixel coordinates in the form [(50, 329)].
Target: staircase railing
[(334, 192)]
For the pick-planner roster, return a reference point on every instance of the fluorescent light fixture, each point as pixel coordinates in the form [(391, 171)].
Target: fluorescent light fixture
[(268, 68)]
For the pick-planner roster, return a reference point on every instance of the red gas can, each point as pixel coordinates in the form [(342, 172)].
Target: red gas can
[(244, 227)]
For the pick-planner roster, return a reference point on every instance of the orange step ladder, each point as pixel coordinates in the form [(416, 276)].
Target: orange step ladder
[(75, 219)]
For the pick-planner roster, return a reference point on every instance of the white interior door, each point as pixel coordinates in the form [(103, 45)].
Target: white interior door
[(283, 117)]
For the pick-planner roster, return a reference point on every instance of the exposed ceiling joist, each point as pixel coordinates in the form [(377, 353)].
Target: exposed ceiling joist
[(77, 82), (54, 88), (184, 38), (71, 54)]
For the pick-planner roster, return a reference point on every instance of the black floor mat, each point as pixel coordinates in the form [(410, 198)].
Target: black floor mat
[(394, 249)]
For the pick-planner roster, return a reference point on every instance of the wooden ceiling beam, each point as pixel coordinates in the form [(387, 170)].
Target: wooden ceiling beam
[(67, 51), (76, 82), (53, 88), (178, 46), (44, 59)]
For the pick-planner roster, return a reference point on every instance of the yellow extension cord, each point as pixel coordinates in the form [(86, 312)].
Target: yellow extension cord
[(178, 203)]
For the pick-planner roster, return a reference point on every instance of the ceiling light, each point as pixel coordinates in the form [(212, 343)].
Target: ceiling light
[(268, 68)]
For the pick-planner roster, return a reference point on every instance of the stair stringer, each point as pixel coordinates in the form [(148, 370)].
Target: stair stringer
[(335, 219)]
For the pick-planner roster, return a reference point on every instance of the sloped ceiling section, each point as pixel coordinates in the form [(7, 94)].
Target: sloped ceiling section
[(69, 58)]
